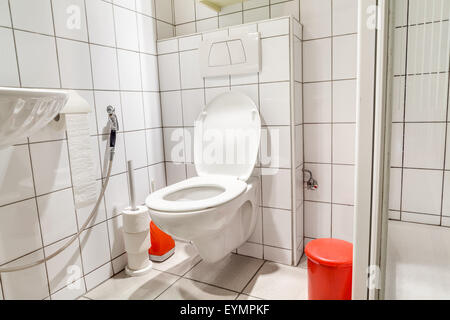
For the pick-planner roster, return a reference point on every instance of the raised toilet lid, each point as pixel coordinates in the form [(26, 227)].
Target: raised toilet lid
[(227, 137)]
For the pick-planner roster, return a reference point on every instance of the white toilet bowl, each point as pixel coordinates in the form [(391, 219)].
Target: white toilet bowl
[(217, 210)]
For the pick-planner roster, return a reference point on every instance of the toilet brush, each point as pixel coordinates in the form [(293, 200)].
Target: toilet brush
[(136, 232)]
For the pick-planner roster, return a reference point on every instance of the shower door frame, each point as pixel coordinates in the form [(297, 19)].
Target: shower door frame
[(373, 148)]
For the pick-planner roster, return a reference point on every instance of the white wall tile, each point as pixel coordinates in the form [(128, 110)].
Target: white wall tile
[(147, 34), (185, 29), (129, 70), (344, 139), (318, 55), (193, 104), (130, 4), (20, 222), (5, 18), (51, 214), (70, 19), (33, 16), (397, 145), (344, 101), (16, 182), (343, 184), (345, 17), (278, 255), (155, 146), (50, 166), (94, 247), (258, 14), (277, 228), (342, 222), (65, 267), (344, 57), (98, 276), (317, 220), (317, 102), (142, 185), (135, 145), (426, 97), (85, 212), (275, 59), (274, 28), (170, 76), (315, 15), (172, 109), (446, 195), (317, 140), (100, 22), (230, 20), (285, 8), (275, 103), (174, 148), (126, 29), (157, 176), (164, 29), (395, 186), (176, 172), (251, 250), (432, 10), (190, 73), (322, 173), (9, 75), (422, 191), (152, 109), (104, 68), (276, 188), (184, 11), (74, 64), (29, 284), (163, 9), (149, 74), (133, 111), (116, 195), (424, 145), (37, 60)]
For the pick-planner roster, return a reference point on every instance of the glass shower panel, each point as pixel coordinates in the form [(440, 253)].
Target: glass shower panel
[(418, 244)]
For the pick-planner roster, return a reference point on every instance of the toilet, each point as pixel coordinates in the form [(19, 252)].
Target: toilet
[(217, 210)]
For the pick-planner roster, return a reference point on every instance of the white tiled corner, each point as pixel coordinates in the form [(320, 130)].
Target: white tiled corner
[(155, 147), (51, 215), (157, 176), (74, 64), (129, 70), (165, 30), (98, 276), (318, 55), (278, 142), (152, 110), (316, 18), (163, 9), (176, 172), (147, 34), (115, 230), (193, 104), (184, 11), (35, 16), (149, 74), (277, 228), (37, 60)]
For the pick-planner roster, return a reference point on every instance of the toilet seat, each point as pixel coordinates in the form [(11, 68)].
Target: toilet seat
[(219, 190)]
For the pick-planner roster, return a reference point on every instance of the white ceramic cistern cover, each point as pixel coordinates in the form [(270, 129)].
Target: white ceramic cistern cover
[(227, 137)]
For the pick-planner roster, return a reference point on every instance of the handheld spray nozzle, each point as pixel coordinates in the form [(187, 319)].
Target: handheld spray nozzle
[(114, 125)]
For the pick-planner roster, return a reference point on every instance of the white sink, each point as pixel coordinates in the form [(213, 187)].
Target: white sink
[(23, 112)]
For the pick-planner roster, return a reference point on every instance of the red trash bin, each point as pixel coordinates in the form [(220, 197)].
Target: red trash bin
[(329, 269)]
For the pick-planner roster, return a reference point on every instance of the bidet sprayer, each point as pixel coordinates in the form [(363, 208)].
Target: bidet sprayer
[(114, 127)]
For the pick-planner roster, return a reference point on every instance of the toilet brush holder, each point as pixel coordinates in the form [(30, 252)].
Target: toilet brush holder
[(136, 233)]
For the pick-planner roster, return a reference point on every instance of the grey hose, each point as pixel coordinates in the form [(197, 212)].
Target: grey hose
[(76, 236)]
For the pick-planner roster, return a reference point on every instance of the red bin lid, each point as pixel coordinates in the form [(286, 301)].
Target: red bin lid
[(330, 252)]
